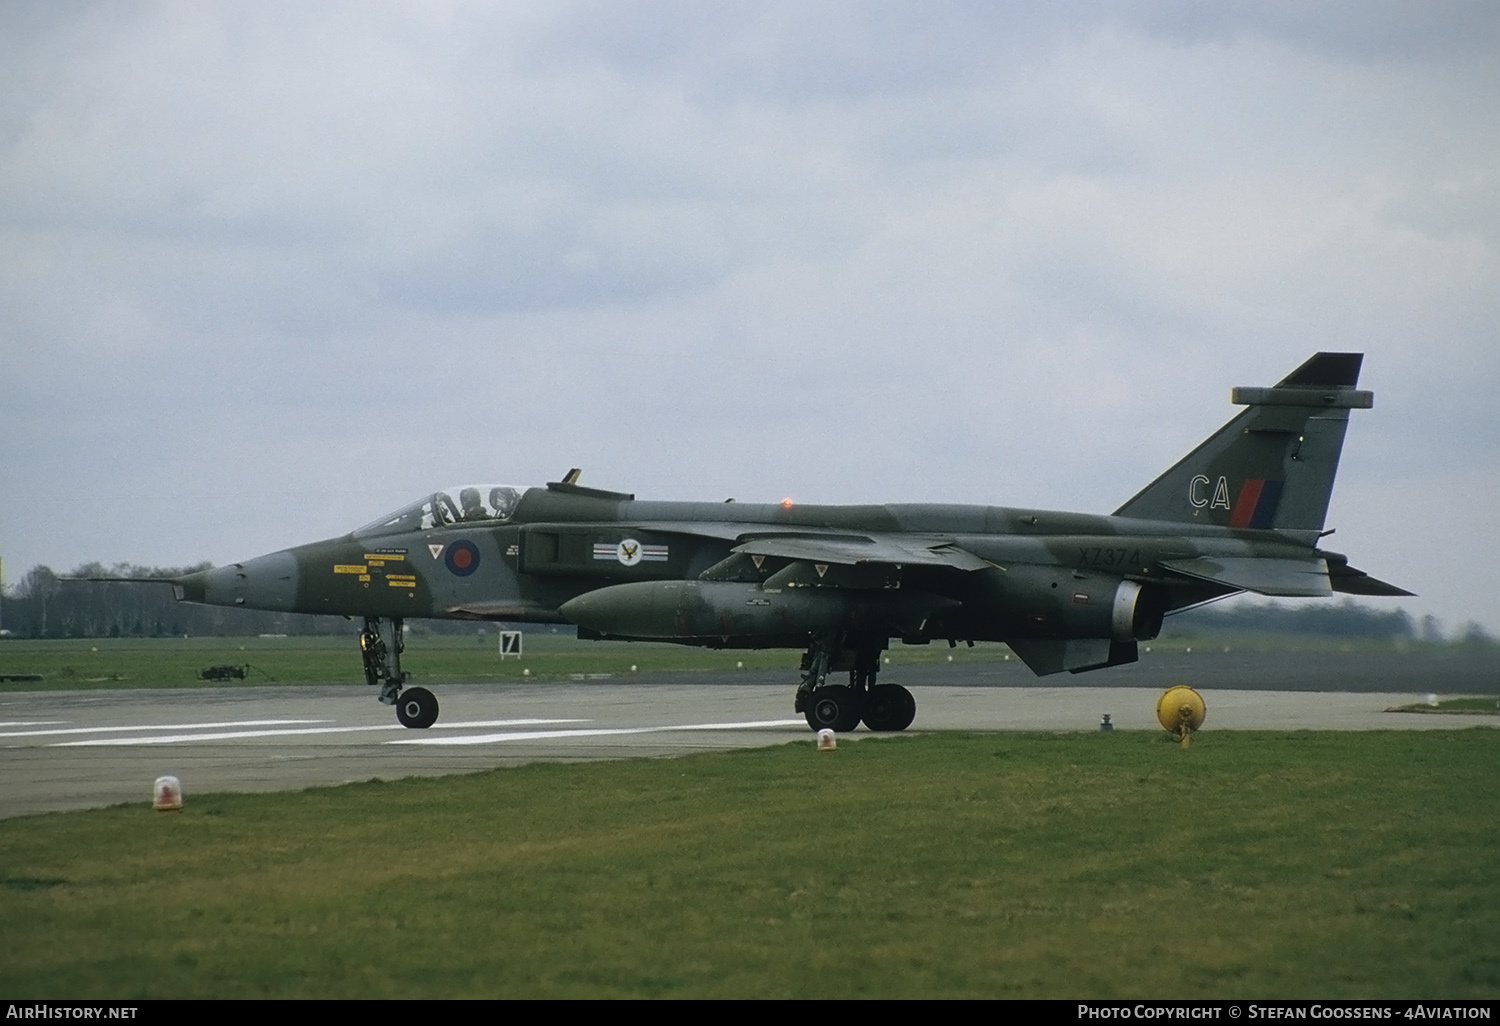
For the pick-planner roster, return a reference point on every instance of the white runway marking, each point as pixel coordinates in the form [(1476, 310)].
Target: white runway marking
[(159, 726), (31, 723), (467, 724), (542, 735), (236, 735)]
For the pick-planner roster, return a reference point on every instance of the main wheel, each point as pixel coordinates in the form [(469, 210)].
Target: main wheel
[(417, 708), (889, 707), (835, 707)]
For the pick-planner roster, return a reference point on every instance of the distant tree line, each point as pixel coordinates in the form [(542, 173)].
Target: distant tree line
[(1346, 619), (43, 605)]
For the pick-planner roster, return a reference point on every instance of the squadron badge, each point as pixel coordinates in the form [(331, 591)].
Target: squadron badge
[(630, 552)]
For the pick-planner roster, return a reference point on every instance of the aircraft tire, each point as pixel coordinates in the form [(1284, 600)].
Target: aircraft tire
[(889, 707), (417, 708), (835, 707)]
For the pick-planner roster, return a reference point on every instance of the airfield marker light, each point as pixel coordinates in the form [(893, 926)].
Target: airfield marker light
[(786, 503), (632, 667), (1106, 726), (166, 795), (740, 665), (826, 741), (526, 672)]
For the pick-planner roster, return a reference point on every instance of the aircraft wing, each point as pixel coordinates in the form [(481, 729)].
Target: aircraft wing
[(1289, 577), (850, 550)]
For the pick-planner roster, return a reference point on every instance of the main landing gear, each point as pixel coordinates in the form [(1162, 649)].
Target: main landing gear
[(840, 707), (415, 707)]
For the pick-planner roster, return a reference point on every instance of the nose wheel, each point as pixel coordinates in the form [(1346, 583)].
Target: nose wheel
[(417, 708)]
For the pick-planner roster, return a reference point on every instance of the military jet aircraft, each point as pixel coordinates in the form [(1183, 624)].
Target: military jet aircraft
[(1242, 512)]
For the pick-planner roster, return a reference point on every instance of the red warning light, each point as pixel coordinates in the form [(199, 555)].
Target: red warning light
[(787, 502)]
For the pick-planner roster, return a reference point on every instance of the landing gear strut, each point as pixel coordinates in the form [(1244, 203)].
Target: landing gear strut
[(417, 707), (816, 663), (840, 707)]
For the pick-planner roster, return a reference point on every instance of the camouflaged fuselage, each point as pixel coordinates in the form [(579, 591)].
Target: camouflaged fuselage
[(1242, 512)]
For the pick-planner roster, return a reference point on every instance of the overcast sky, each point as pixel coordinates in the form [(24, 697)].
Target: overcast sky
[(270, 270)]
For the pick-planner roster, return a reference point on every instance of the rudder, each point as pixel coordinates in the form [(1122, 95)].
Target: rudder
[(1273, 465)]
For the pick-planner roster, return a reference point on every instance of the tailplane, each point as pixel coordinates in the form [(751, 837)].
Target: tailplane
[(1272, 466)]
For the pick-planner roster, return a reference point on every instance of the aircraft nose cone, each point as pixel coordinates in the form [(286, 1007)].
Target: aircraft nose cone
[(265, 582)]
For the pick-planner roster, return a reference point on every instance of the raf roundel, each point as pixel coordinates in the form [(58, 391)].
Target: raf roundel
[(462, 558)]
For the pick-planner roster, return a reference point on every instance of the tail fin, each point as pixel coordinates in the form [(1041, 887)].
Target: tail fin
[(1272, 466)]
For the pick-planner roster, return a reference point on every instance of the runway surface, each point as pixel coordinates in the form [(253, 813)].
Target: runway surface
[(81, 749)]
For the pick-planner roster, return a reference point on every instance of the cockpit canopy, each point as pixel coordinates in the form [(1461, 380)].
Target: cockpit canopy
[(466, 504)]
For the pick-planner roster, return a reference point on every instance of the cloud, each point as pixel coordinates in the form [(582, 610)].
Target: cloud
[(303, 262)]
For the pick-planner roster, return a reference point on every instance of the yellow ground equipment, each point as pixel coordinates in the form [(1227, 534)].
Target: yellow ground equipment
[(1181, 711)]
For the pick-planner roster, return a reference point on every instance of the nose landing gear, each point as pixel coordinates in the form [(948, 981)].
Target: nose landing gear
[(418, 707)]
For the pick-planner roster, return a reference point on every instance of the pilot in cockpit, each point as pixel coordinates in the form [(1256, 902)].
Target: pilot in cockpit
[(473, 508), (503, 500)]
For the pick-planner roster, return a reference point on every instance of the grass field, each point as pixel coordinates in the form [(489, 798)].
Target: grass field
[(1016, 865), (177, 662), (1478, 706)]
